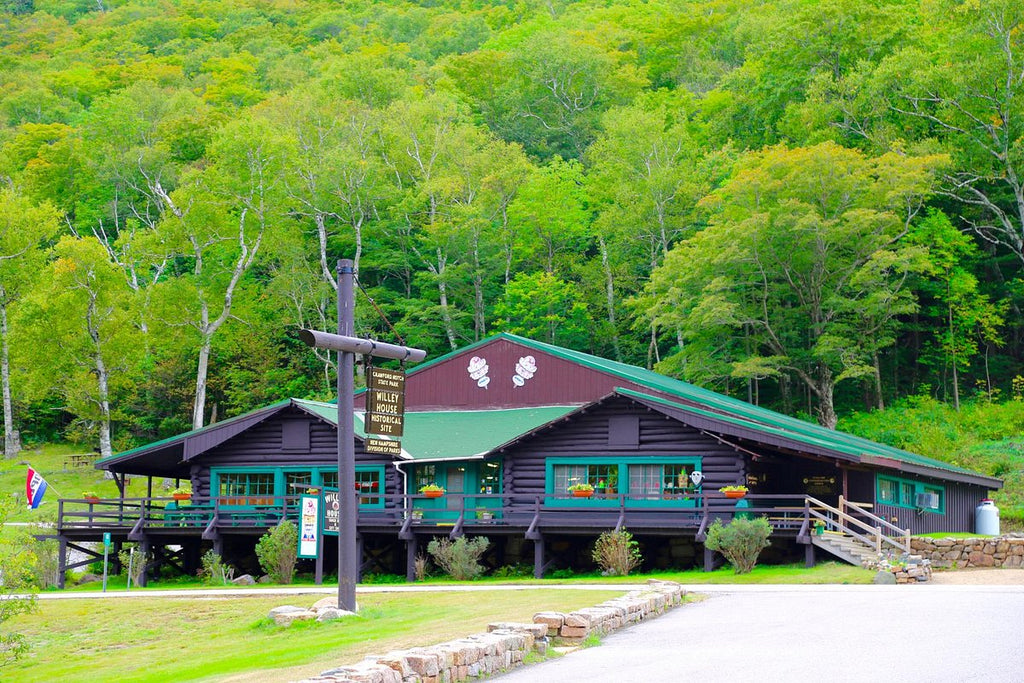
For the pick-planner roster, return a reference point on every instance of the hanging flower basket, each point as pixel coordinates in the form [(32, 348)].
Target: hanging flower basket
[(181, 496)]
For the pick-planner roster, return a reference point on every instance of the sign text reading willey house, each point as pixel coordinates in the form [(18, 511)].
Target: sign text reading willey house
[(385, 402)]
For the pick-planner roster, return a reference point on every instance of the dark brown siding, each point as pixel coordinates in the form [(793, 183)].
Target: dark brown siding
[(961, 500), (262, 446), (587, 435)]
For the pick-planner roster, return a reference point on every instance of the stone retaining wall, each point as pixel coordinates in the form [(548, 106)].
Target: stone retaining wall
[(1000, 551), (506, 645)]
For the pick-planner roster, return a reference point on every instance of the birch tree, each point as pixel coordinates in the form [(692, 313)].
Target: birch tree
[(216, 223), (23, 226), (81, 335)]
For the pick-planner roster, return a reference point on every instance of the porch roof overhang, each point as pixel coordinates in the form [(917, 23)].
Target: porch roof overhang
[(170, 457), (429, 436), (836, 446), (843, 447)]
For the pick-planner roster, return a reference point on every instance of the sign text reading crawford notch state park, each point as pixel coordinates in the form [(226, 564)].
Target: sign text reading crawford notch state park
[(385, 410)]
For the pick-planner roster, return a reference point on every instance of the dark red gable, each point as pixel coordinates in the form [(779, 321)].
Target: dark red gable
[(502, 373)]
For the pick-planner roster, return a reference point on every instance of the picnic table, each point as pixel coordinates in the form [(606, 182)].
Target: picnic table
[(76, 460)]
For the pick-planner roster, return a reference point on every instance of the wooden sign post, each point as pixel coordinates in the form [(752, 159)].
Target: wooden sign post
[(347, 347)]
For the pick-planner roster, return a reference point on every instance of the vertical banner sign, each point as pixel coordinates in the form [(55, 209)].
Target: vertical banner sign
[(332, 513), (308, 525), (385, 410)]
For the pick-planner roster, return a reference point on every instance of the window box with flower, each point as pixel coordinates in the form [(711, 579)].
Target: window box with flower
[(734, 491), (581, 490), (432, 491)]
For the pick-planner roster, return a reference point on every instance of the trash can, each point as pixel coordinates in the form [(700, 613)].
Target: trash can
[(986, 518)]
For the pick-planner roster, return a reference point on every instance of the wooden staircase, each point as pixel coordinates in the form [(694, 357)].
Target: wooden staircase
[(846, 548), (852, 533)]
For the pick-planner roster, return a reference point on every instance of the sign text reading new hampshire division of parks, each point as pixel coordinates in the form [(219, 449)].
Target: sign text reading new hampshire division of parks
[(385, 409)]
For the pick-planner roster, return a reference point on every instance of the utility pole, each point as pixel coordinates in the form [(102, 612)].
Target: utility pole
[(347, 347)]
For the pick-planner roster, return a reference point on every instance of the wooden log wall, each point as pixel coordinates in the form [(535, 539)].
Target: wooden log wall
[(261, 446), (588, 435), (961, 501)]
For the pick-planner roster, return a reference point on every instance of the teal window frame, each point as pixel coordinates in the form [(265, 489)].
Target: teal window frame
[(280, 482), (905, 490), (622, 465)]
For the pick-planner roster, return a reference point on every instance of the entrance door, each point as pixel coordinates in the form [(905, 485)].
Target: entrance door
[(455, 485)]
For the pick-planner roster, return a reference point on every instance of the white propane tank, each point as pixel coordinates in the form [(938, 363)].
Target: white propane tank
[(986, 518)]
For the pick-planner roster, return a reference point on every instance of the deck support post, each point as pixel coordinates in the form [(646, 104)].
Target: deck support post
[(809, 558), (319, 576), (709, 559), (411, 548), (62, 561), (538, 557), (218, 546), (359, 557), (144, 549)]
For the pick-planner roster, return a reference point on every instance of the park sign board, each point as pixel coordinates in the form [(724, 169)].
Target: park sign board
[(332, 512), (382, 446), (309, 526), (385, 410)]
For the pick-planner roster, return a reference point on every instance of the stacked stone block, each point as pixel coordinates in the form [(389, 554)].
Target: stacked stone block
[(1002, 551), (506, 645)]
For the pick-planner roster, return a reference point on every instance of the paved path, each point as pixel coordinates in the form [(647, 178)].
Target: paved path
[(326, 590), (928, 634)]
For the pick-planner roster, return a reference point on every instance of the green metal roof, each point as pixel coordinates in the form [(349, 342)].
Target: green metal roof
[(454, 434), (738, 411)]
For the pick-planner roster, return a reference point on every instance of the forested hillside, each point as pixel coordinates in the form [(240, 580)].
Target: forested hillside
[(816, 205)]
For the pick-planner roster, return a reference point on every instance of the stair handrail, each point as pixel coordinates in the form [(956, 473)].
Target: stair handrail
[(873, 540), (876, 532), (905, 533)]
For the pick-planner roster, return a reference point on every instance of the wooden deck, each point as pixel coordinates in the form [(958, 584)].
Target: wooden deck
[(132, 519)]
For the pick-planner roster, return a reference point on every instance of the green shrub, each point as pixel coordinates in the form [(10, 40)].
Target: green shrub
[(460, 558), (277, 551), (617, 553), (741, 541), (214, 570)]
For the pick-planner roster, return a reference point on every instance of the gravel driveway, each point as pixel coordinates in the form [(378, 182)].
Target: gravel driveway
[(918, 633), (979, 577)]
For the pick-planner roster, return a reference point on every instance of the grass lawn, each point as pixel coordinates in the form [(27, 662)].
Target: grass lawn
[(157, 639), (63, 483), (951, 534)]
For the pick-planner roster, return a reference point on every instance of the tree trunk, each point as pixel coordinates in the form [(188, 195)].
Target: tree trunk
[(878, 382), (199, 405), (826, 405), (609, 283), (104, 403), (956, 375), (446, 315), (10, 443)]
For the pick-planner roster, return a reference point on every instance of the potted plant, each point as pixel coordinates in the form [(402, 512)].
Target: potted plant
[(581, 490), (432, 491), (819, 527), (734, 491), (90, 497), (417, 514), (182, 493)]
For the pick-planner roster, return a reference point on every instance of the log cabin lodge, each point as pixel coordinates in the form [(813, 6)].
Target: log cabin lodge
[(506, 426)]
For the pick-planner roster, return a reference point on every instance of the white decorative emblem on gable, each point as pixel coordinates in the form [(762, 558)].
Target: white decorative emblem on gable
[(477, 370), (525, 369)]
